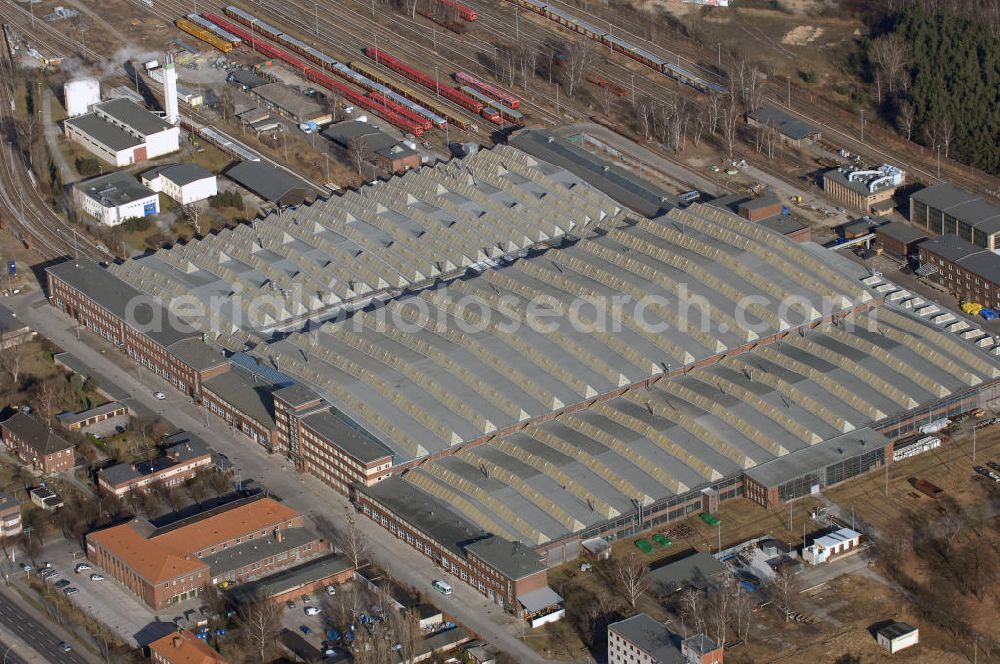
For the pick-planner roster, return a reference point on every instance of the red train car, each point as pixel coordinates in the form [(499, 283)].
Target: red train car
[(400, 67), (492, 114), (505, 98), (465, 12)]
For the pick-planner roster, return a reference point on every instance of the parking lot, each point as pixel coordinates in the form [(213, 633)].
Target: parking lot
[(296, 618), (111, 603)]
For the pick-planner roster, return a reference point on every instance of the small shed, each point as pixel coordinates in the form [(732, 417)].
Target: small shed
[(764, 207), (897, 635)]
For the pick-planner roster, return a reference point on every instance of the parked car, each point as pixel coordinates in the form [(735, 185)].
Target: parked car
[(312, 610), (71, 591), (62, 583), (305, 629), (81, 567), (330, 590), (306, 598), (290, 604), (160, 395), (26, 567), (96, 577), (65, 647)]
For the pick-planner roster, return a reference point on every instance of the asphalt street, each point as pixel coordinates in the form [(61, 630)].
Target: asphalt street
[(302, 492), (34, 634)]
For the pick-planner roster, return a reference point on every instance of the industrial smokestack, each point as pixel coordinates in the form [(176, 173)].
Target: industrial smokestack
[(170, 90)]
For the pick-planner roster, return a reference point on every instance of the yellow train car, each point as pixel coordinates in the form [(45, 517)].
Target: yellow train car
[(428, 101), (204, 35)]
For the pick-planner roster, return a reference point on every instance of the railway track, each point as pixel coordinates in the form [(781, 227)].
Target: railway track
[(36, 224), (807, 106)]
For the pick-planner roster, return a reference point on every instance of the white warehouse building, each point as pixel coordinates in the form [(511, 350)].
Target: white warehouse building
[(115, 198), (185, 183), (122, 132)]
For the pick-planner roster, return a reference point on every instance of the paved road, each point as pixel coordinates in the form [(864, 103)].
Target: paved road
[(302, 492), (52, 139), (34, 633)]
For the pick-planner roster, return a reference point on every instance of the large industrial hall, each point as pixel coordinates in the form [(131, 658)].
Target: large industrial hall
[(315, 260), (548, 365)]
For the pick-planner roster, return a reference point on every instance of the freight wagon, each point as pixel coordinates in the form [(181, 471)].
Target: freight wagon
[(455, 96), (410, 93), (491, 91), (614, 43), (508, 114), (204, 35)]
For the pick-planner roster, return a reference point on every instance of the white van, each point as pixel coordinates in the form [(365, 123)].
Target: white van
[(442, 587)]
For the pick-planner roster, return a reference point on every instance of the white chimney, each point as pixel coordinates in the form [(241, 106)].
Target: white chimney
[(170, 90)]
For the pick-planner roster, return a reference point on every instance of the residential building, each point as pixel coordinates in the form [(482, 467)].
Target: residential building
[(183, 647), (115, 198), (36, 444), (236, 542), (184, 183), (508, 573), (10, 515), (944, 209), (13, 332), (155, 338), (964, 269), (387, 152), (122, 132), (86, 419), (642, 640), (897, 635), (870, 190), (840, 541), (179, 463), (898, 240), (792, 131)]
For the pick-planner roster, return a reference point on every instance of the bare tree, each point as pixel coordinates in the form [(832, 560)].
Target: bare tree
[(693, 609), (227, 103), (633, 577), (730, 118), (599, 611), (260, 619), (50, 396), (11, 356), (905, 117), (742, 612), (193, 214), (219, 481), (351, 541), (579, 57), (357, 149), (891, 55), (406, 626), (784, 587)]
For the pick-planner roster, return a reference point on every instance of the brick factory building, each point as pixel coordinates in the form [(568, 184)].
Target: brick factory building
[(508, 573), (134, 322), (35, 444), (236, 542), (869, 190), (967, 271), (898, 240)]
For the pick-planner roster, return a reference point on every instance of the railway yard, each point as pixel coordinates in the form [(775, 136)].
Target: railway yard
[(311, 192)]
